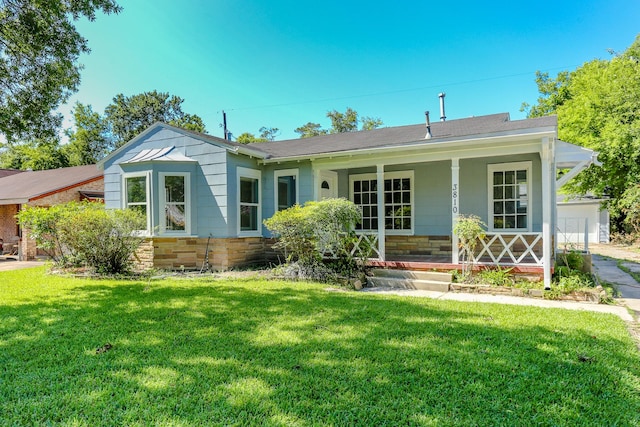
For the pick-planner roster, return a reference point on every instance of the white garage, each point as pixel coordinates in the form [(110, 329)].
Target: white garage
[(580, 217)]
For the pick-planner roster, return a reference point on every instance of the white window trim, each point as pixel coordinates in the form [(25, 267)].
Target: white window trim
[(253, 174), (389, 175), (187, 203), (277, 174), (498, 167), (125, 195)]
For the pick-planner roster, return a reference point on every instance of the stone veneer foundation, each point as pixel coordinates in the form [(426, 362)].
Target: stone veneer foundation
[(396, 246), (176, 253)]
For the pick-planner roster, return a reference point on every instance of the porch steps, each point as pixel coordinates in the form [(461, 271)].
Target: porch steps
[(410, 279)]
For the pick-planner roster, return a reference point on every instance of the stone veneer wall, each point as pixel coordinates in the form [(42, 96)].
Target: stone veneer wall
[(175, 253), (418, 245)]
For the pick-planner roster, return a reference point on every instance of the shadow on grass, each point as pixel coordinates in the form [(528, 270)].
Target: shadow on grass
[(273, 353)]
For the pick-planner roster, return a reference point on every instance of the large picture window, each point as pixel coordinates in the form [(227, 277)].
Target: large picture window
[(249, 212), (286, 188), (510, 196), (398, 201), (174, 200), (136, 191)]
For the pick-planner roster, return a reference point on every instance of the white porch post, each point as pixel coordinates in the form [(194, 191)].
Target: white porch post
[(316, 184), (381, 233), (548, 198), (455, 208)]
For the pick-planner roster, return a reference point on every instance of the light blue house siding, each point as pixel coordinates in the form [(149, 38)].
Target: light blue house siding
[(209, 184), (474, 186)]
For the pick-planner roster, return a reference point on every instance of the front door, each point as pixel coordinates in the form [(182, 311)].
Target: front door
[(328, 185)]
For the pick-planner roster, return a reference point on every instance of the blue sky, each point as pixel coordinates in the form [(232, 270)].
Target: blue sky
[(284, 63)]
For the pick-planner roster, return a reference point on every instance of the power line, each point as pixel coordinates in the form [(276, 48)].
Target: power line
[(368, 95)]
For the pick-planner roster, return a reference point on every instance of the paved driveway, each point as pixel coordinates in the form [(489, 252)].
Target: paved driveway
[(13, 264)]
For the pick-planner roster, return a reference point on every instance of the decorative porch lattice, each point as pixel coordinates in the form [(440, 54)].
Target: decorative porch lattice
[(510, 249), (365, 246)]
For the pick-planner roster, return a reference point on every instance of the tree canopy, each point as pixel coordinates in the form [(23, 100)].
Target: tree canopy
[(90, 141), (93, 135), (340, 122), (130, 115), (39, 70), (598, 107)]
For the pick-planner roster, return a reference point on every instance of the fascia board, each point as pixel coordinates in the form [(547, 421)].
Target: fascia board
[(443, 143), (14, 201)]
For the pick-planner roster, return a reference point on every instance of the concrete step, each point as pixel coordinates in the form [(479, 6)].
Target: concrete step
[(433, 276), (407, 283)]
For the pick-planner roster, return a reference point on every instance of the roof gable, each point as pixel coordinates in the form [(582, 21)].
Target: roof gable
[(228, 145)]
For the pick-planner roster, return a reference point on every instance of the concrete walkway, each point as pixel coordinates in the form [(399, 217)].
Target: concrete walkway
[(607, 271), (618, 310), (605, 268)]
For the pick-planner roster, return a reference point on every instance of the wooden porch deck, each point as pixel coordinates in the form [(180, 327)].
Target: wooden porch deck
[(443, 263)]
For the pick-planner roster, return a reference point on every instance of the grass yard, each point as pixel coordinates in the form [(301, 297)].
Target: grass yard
[(190, 352)]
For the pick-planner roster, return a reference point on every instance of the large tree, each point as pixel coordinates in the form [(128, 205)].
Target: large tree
[(340, 122), (90, 139), (130, 115), (598, 106), (39, 70), (38, 154)]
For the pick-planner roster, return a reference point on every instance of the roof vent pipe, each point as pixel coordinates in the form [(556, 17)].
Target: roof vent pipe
[(426, 116), (441, 95)]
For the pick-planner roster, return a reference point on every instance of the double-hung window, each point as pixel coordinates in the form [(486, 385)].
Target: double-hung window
[(398, 201), (136, 194), (249, 206), (174, 202), (286, 188), (510, 196)]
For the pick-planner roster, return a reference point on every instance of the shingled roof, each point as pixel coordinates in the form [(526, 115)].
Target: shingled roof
[(29, 185), (494, 124)]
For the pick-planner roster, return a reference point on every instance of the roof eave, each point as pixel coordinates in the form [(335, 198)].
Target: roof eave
[(428, 144)]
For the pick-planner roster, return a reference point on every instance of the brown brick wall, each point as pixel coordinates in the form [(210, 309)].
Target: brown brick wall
[(8, 225), (68, 195)]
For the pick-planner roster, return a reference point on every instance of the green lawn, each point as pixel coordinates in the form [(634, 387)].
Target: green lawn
[(255, 352)]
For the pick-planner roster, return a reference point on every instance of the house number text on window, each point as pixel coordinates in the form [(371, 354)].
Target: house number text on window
[(454, 199)]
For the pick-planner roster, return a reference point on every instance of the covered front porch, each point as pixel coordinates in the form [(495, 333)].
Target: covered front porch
[(411, 202)]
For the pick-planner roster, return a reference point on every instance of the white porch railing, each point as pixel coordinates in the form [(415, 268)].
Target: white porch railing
[(510, 249), (365, 246)]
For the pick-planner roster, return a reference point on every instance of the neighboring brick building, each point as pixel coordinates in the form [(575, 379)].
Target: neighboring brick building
[(42, 188)]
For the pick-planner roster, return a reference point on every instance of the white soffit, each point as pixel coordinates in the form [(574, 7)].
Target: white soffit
[(570, 155)]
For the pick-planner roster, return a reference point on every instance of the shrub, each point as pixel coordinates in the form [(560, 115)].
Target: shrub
[(469, 229), (85, 234), (41, 224), (306, 233), (629, 204), (497, 277), (102, 239)]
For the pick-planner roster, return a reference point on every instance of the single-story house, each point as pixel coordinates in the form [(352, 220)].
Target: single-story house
[(411, 182), (42, 188)]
